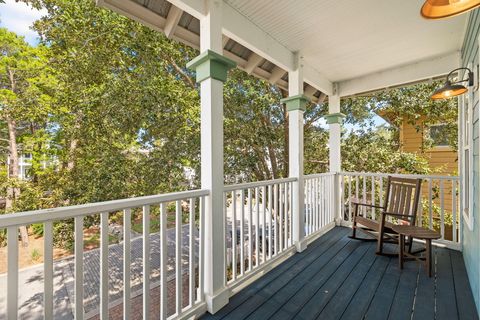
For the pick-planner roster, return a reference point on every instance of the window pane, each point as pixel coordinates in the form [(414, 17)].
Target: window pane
[(438, 134), (466, 177)]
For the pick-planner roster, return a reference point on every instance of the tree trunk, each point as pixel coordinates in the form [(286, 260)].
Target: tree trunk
[(12, 191), (271, 150), (74, 142), (71, 154)]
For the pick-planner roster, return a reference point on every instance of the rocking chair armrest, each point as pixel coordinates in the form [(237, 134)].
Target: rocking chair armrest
[(366, 205), (356, 204), (398, 215)]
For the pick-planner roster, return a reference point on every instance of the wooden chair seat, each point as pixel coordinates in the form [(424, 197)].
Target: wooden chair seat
[(373, 224)]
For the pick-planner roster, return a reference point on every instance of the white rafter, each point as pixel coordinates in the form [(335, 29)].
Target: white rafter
[(317, 80), (277, 74), (310, 91), (194, 7), (173, 18), (225, 40), (253, 61)]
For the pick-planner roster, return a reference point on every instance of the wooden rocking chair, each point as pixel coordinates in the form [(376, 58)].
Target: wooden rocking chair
[(401, 202)]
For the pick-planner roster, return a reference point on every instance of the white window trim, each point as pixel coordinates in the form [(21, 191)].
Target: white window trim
[(467, 211)]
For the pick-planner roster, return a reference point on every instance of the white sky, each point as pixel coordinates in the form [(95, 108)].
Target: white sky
[(18, 17)]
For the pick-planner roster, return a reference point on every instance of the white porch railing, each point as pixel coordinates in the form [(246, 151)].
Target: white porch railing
[(179, 211), (258, 226), (319, 202), (438, 209)]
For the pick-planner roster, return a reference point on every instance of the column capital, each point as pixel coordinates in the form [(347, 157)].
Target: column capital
[(297, 102), (210, 64), (333, 118)]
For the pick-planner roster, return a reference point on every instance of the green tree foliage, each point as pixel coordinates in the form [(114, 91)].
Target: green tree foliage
[(112, 106), (410, 104)]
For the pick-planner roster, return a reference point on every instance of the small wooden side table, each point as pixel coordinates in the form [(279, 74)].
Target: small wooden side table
[(418, 233)]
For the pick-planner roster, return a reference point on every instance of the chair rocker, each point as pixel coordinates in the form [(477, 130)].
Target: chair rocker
[(401, 203)]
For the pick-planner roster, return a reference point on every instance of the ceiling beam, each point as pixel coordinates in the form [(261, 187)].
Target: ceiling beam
[(239, 28), (309, 90), (316, 79), (194, 7), (173, 18), (322, 98), (225, 41), (277, 74), (417, 71), (253, 61)]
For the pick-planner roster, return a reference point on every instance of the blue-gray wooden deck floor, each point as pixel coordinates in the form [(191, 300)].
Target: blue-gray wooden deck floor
[(340, 278)]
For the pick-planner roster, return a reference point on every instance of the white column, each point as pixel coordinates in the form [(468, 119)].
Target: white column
[(211, 71), (335, 130), (334, 120), (296, 106)]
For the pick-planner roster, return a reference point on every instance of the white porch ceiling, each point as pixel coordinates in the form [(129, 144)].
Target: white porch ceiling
[(345, 39), (354, 46)]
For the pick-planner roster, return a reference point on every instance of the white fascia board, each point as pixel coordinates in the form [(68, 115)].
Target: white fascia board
[(417, 71), (135, 12), (239, 28), (317, 80)]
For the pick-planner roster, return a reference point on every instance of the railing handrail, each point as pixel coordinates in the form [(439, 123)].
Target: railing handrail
[(62, 213), (233, 187), (319, 175), (400, 175)]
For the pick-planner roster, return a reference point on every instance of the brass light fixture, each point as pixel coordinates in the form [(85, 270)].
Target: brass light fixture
[(451, 89), (437, 9)]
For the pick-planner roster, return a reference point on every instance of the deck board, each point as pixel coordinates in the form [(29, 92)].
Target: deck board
[(445, 288), (337, 304), (313, 251), (466, 310), (292, 300), (381, 303), (340, 278), (405, 293)]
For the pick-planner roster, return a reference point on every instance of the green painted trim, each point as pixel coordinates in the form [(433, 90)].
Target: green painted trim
[(334, 118), (297, 102), (210, 64)]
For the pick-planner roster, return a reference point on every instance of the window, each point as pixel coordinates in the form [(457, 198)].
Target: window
[(467, 170), (439, 135)]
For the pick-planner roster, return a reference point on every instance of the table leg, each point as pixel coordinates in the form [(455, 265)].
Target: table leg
[(400, 250), (428, 244)]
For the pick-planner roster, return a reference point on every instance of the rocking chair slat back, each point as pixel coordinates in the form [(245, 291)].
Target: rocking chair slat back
[(403, 197)]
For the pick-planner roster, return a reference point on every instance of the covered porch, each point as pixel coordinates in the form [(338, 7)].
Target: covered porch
[(340, 278), (278, 248)]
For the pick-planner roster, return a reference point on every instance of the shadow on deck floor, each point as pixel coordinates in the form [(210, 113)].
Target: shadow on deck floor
[(340, 278)]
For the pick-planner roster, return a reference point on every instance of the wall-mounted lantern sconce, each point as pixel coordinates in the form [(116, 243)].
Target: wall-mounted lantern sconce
[(452, 89), (438, 9)]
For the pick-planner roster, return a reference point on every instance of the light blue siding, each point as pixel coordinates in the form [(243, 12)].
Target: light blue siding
[(471, 239)]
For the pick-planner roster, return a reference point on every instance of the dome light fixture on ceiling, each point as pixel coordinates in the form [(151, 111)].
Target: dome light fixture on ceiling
[(452, 89), (438, 9)]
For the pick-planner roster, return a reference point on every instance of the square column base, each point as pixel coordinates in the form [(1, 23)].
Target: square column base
[(217, 301), (338, 222), (301, 245)]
